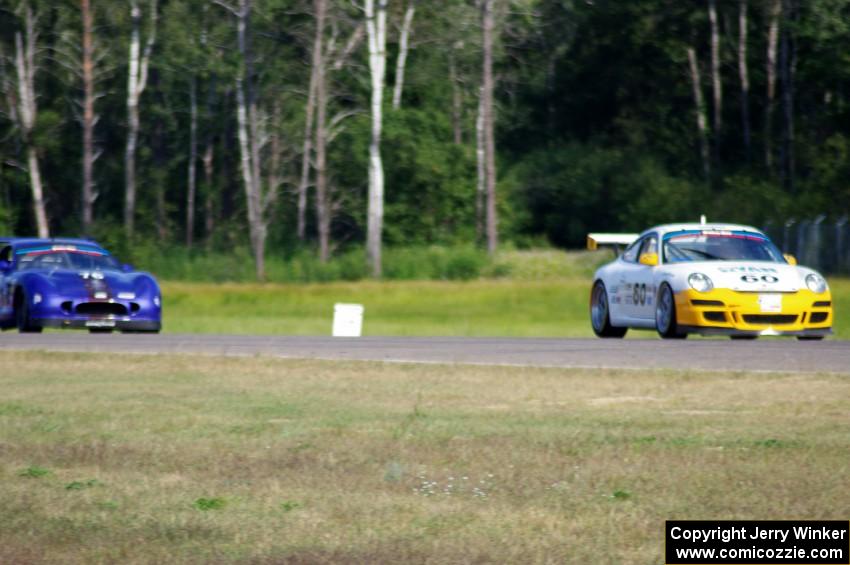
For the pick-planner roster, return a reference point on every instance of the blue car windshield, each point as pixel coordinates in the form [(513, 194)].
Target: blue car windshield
[(58, 257), (698, 245)]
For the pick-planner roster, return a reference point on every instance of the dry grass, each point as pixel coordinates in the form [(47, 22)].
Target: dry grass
[(530, 305), (263, 461)]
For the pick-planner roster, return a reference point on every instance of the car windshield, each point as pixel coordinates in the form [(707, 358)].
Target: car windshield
[(699, 245), (63, 257)]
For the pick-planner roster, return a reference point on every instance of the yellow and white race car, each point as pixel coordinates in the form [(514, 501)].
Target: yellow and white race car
[(708, 279)]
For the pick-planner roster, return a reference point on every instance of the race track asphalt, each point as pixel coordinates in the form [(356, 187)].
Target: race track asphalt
[(777, 355)]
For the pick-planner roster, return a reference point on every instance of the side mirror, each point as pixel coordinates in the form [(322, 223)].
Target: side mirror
[(648, 259), (790, 258), (127, 268), (5, 266)]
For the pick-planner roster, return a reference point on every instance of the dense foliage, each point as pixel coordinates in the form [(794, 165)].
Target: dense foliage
[(596, 118)]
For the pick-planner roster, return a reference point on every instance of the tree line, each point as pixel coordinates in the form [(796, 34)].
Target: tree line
[(323, 124)]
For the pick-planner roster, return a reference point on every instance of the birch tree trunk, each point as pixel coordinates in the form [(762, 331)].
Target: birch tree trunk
[(457, 102), (160, 163), (246, 118), (137, 78), (717, 86), (772, 43), (247, 170), (481, 168), (275, 156), (323, 208), (744, 75), (27, 113), (402, 53), (88, 195), (488, 123), (787, 65), (376, 22), (307, 151), (306, 156), (207, 160), (191, 181), (209, 205), (699, 104)]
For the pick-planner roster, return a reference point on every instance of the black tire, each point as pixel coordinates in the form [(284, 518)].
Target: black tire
[(665, 315), (744, 337), (810, 337), (149, 332), (100, 330), (600, 318), (22, 315)]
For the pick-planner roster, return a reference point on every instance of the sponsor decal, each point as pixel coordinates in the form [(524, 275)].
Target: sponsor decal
[(60, 248), (747, 269), (702, 235)]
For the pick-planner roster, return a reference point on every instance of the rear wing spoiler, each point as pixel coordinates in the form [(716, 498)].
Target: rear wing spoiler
[(595, 240)]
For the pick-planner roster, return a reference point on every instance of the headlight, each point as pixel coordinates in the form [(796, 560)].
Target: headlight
[(36, 298), (700, 282), (816, 283), (156, 300)]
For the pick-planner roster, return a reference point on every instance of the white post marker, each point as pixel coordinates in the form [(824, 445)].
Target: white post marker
[(348, 320)]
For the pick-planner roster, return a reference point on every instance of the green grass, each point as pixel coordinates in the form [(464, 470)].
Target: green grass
[(478, 308), (526, 306), (173, 459)]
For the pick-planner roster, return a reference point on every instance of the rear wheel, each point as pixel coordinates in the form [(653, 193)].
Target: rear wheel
[(665, 315), (600, 314), (22, 315), (809, 337)]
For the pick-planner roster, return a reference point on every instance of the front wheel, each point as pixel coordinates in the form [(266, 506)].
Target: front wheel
[(600, 314), (665, 315), (22, 315)]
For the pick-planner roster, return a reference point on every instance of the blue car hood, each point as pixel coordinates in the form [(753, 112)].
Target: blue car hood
[(87, 283)]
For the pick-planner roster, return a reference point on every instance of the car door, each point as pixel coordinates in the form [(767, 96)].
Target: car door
[(637, 287), (619, 290), (643, 288)]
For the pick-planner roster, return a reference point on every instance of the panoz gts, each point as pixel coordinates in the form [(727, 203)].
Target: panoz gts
[(73, 283), (706, 279)]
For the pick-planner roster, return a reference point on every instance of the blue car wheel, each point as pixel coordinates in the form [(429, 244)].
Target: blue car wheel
[(22, 314)]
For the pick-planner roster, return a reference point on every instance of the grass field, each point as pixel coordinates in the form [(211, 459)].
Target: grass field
[(529, 305), (157, 459)]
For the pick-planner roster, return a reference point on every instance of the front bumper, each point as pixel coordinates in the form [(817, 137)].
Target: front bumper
[(62, 311), (100, 323), (728, 312)]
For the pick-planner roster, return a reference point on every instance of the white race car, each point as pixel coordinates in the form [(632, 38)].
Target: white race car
[(708, 279)]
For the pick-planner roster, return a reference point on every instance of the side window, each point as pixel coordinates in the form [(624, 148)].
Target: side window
[(650, 245), (631, 254), (6, 253)]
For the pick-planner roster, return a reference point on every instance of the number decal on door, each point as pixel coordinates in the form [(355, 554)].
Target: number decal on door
[(639, 294)]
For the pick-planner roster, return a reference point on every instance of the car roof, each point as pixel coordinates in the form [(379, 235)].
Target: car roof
[(667, 228)]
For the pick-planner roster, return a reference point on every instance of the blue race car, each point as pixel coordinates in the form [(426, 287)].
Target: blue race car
[(73, 283)]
